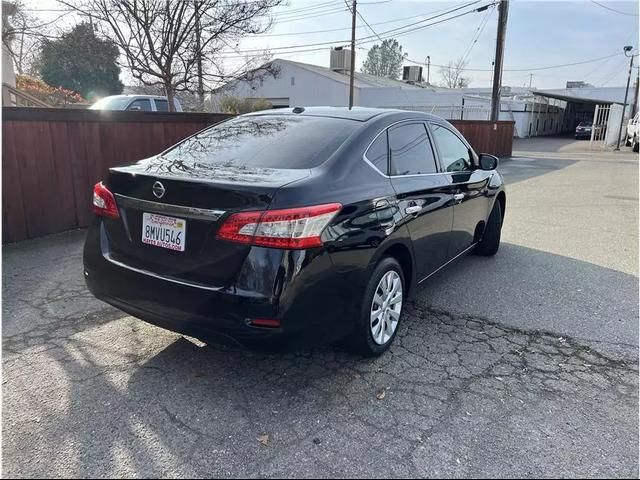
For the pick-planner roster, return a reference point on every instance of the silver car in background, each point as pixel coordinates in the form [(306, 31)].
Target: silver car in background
[(139, 103)]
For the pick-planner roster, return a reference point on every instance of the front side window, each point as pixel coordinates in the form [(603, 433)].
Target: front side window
[(378, 153), (454, 154), (142, 104), (410, 149)]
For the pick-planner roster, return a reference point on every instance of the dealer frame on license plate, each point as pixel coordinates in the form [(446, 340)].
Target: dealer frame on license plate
[(165, 232)]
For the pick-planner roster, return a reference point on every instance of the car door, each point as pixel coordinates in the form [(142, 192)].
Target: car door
[(422, 194), (469, 187)]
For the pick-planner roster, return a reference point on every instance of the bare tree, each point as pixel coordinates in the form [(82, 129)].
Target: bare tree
[(452, 74), (22, 35), (165, 41)]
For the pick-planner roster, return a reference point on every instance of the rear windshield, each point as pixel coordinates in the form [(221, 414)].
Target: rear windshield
[(585, 124), (270, 141)]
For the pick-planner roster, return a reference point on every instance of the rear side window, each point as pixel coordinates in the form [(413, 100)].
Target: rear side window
[(269, 141), (161, 105), (411, 152), (378, 153)]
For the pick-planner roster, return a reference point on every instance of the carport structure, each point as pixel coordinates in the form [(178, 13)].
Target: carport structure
[(601, 106)]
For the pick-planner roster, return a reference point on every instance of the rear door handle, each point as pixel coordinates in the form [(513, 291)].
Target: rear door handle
[(413, 209), (458, 197)]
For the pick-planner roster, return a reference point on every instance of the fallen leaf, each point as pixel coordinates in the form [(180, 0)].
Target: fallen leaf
[(264, 440), (382, 394)]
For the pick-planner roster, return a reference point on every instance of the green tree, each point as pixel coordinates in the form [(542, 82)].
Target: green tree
[(385, 60), (82, 62)]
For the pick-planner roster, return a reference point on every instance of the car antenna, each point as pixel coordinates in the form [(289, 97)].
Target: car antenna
[(298, 109)]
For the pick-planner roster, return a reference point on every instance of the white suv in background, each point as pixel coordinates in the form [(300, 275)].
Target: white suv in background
[(633, 136), (139, 103)]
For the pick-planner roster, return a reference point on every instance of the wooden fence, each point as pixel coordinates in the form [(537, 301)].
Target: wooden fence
[(486, 136), (51, 158)]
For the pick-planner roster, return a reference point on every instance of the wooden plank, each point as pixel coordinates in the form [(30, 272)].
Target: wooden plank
[(64, 179), (50, 192), (14, 226), (35, 210), (81, 178)]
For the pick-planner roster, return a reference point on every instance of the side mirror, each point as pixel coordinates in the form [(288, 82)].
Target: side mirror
[(488, 162)]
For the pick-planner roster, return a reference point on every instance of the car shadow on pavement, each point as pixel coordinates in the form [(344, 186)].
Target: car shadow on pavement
[(457, 395)]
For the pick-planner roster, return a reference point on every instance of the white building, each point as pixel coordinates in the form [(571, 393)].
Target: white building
[(535, 112)]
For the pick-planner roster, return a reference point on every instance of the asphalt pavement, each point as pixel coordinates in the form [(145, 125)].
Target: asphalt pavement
[(521, 365)]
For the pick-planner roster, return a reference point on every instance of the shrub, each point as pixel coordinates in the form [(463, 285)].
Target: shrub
[(54, 96), (244, 105)]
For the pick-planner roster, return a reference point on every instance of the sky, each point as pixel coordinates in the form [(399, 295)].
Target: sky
[(540, 33)]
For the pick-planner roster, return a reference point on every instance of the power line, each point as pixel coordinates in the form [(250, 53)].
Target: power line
[(395, 20), (286, 17), (611, 74), (367, 24), (476, 37), (394, 32), (614, 10), (525, 69)]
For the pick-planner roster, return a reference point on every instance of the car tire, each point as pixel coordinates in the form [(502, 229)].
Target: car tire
[(635, 144), (373, 336), (490, 242)]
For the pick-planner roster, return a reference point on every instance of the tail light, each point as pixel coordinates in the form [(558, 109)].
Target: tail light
[(264, 322), (292, 228), (104, 204)]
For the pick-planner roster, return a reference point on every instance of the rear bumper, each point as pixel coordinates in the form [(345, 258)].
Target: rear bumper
[(313, 302)]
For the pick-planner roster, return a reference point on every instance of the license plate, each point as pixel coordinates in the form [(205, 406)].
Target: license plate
[(165, 232)]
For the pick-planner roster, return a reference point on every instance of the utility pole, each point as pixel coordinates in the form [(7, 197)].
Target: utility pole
[(503, 12), (199, 56), (628, 48), (634, 105), (353, 53), (428, 68), (530, 79)]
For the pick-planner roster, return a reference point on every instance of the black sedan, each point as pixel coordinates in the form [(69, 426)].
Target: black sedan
[(583, 130), (290, 226)]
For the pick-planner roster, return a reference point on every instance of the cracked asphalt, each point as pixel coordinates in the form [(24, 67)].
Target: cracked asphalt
[(524, 365)]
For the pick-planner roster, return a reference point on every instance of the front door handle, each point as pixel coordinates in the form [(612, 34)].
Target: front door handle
[(458, 197), (413, 209)]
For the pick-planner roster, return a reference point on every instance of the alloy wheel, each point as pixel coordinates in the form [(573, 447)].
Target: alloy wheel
[(386, 307)]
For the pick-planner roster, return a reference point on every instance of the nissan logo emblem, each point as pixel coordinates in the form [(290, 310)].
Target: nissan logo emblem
[(158, 189)]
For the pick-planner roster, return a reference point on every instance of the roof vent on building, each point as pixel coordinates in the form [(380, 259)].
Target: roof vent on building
[(412, 74), (340, 60)]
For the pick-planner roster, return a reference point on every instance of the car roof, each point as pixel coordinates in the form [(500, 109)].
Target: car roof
[(362, 114), (134, 95)]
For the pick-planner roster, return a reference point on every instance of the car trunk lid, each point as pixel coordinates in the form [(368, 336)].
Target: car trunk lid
[(201, 197)]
